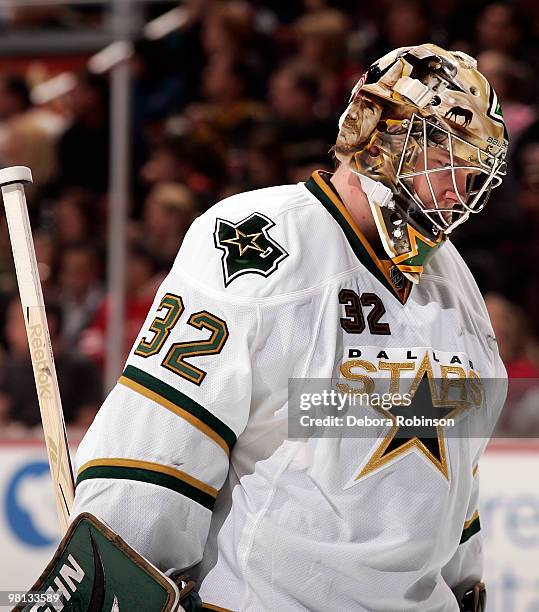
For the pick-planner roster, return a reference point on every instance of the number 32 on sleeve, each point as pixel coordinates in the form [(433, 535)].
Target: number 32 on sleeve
[(171, 307)]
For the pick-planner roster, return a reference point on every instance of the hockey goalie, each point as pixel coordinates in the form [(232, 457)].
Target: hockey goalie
[(350, 278)]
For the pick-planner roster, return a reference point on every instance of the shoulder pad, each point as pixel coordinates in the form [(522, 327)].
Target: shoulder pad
[(239, 244)]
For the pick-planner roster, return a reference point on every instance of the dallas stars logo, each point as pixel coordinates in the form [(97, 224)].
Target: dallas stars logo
[(247, 247), (425, 440)]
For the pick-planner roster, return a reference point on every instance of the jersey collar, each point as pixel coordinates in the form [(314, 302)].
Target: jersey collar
[(384, 270)]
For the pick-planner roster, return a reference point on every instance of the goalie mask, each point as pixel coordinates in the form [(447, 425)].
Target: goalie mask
[(425, 134)]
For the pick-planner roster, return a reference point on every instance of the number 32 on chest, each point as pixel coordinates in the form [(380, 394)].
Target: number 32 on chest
[(360, 308)]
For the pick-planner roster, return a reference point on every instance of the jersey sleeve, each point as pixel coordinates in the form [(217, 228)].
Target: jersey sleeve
[(152, 463)]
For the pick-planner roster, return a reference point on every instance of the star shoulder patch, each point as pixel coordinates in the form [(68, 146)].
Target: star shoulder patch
[(247, 247)]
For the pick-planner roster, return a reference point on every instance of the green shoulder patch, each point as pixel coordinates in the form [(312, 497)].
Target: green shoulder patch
[(247, 247)]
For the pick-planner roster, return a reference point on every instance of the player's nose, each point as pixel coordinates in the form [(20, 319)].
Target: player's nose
[(457, 182)]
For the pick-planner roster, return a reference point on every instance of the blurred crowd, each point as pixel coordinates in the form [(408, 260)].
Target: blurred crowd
[(244, 95)]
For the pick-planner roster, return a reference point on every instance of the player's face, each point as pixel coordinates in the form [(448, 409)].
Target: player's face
[(444, 184)]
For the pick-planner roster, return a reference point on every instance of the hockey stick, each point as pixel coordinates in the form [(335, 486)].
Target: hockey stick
[(11, 182)]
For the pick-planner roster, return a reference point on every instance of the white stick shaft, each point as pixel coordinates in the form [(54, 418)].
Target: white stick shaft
[(40, 348)]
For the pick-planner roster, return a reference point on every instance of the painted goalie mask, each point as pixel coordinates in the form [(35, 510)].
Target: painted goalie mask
[(425, 134)]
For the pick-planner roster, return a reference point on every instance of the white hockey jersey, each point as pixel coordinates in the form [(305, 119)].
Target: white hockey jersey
[(189, 458)]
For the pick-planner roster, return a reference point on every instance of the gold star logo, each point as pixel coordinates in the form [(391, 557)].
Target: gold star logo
[(245, 241), (428, 441)]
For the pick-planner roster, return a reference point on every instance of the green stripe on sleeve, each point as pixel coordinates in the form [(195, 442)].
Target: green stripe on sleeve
[(148, 476), (473, 528), (183, 402)]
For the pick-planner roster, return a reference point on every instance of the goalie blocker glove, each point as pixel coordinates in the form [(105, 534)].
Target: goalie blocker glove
[(96, 570)]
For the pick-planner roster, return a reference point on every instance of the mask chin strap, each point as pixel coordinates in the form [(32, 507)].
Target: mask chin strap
[(376, 192), (380, 196)]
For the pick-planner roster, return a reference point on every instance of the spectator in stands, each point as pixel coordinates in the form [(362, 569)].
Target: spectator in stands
[(169, 210), (229, 29), (520, 354), (28, 16), (527, 166), (293, 95), (143, 280), (323, 52), (5, 418), (502, 27), (76, 216), (14, 96), (511, 80), (83, 148), (46, 260), (180, 159), (157, 89), (80, 289), (400, 24), (78, 378), (229, 113), (264, 162), (25, 142), (518, 349)]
